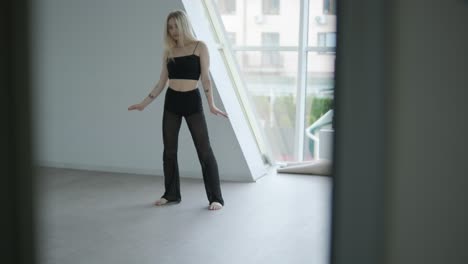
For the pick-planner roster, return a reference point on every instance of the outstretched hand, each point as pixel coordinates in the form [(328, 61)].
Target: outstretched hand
[(138, 107), (216, 111)]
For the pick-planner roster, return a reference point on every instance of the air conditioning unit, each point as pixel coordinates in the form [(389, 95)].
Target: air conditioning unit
[(321, 20), (258, 19)]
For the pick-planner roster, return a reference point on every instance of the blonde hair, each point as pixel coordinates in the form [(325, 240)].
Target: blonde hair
[(185, 30)]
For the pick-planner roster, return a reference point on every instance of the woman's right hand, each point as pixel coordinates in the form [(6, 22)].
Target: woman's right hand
[(138, 107)]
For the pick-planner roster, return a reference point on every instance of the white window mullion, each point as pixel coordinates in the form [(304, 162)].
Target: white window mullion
[(301, 81)]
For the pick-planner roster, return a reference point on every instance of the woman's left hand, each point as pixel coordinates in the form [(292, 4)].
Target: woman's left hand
[(216, 111)]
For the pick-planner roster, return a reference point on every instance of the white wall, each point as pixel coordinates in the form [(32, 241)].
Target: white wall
[(91, 60)]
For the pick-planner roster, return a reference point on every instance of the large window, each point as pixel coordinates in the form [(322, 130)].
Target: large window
[(329, 7), (287, 74), (232, 38), (226, 7), (271, 7), (270, 58), (326, 39)]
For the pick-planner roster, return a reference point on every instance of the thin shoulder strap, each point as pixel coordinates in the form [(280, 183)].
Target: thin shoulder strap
[(195, 47)]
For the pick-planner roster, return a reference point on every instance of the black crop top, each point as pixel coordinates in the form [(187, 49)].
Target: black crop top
[(184, 67)]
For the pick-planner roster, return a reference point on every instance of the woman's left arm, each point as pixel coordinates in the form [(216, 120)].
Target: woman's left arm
[(206, 80)]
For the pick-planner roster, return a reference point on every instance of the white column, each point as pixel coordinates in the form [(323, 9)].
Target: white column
[(301, 80)]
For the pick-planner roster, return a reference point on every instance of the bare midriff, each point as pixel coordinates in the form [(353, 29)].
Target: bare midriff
[(181, 85)]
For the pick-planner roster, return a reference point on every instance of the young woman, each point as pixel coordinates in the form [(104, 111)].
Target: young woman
[(186, 60)]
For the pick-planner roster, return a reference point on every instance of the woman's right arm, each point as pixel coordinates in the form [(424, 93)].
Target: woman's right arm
[(163, 78)]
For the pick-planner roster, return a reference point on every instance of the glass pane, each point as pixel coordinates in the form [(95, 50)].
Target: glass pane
[(270, 78), (248, 22), (319, 100), (320, 80), (322, 23), (256, 32)]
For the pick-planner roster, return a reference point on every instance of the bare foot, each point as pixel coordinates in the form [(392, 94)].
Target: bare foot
[(160, 202), (215, 206)]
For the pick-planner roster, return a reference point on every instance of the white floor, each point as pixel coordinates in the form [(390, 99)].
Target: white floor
[(94, 217)]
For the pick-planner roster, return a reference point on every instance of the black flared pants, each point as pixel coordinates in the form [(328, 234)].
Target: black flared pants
[(188, 105)]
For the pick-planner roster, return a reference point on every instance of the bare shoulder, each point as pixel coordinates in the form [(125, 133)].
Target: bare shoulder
[(201, 43), (165, 54), (201, 46)]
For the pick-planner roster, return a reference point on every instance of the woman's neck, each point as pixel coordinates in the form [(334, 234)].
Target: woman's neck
[(182, 45)]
